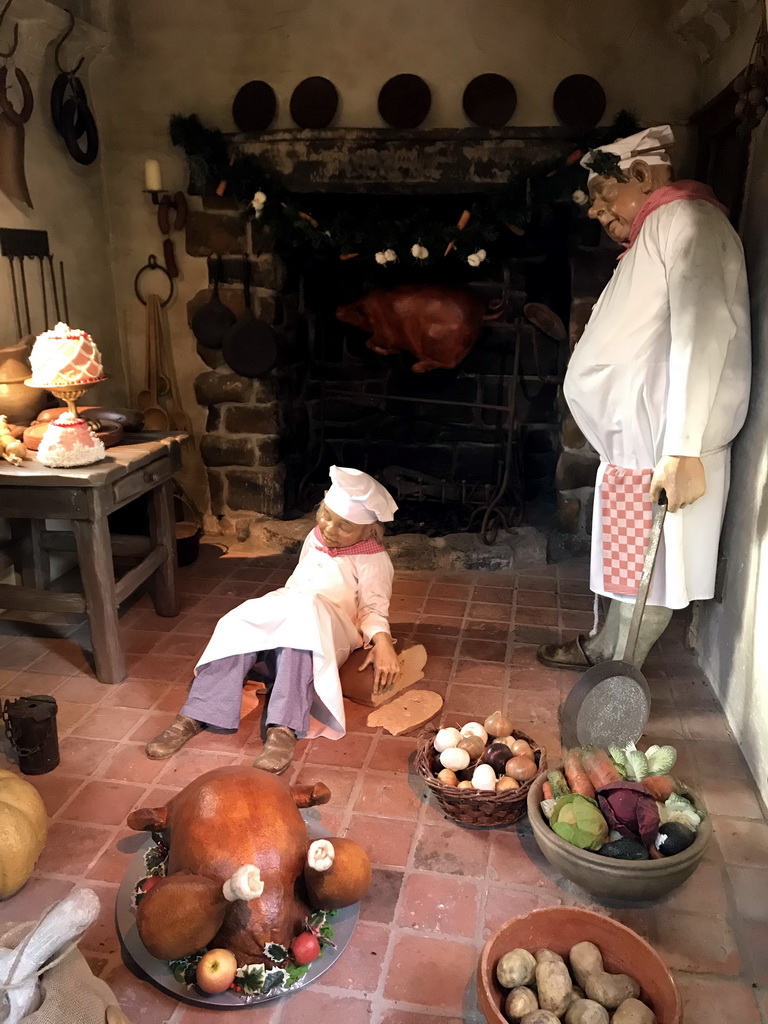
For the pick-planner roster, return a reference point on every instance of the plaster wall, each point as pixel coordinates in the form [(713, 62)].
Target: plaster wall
[(68, 198), (733, 636), (192, 56)]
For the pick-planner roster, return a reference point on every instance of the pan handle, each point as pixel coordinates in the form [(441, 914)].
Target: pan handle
[(645, 580)]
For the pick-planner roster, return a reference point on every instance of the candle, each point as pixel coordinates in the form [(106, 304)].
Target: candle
[(152, 178)]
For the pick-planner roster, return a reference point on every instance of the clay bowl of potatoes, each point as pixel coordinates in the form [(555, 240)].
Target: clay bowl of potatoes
[(564, 964)]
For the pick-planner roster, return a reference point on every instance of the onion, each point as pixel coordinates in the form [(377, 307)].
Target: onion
[(454, 759), (508, 741), (521, 768), (466, 784), (473, 745), (505, 782), (475, 729), (497, 724), (447, 777), (484, 777), (445, 739), (520, 748)]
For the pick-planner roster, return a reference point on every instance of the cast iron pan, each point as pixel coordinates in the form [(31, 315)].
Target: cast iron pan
[(545, 319), (611, 703), (314, 103), (579, 101), (254, 106), (212, 319), (250, 345), (404, 101), (489, 101)]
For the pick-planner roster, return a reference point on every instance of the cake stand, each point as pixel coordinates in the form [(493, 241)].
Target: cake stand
[(69, 392), (149, 968)]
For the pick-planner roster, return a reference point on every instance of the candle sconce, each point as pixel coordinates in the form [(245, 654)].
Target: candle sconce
[(156, 193)]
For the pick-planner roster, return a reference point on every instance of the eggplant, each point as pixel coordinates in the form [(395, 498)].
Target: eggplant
[(673, 837), (624, 849)]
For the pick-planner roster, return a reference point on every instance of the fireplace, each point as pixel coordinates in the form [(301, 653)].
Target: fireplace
[(472, 448)]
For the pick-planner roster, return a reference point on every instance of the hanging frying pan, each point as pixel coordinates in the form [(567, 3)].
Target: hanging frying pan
[(610, 705), (314, 103), (404, 101), (210, 322), (579, 101), (489, 101), (250, 345), (254, 107), (545, 319)]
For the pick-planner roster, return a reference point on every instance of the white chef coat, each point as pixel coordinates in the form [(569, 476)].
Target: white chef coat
[(330, 605), (663, 368)]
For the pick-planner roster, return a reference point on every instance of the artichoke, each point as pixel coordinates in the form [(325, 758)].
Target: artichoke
[(577, 820)]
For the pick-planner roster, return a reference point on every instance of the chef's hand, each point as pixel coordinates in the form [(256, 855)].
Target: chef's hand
[(682, 477), (386, 667)]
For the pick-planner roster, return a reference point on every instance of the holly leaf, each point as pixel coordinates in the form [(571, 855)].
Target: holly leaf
[(276, 952), (317, 920), (275, 978), (253, 978), (295, 973)]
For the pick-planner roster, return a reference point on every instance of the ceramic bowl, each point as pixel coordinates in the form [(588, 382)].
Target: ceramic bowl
[(560, 928), (633, 880)]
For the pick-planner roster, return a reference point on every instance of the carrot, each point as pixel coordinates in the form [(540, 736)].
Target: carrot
[(661, 787), (547, 791), (599, 767), (575, 774)]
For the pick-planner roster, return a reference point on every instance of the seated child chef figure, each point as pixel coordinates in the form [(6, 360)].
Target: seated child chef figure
[(336, 600)]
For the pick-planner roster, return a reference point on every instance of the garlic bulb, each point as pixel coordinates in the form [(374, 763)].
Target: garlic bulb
[(484, 777), (454, 759), (474, 729), (446, 738)]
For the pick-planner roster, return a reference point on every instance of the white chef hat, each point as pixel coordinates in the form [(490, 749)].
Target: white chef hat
[(649, 145), (359, 498)]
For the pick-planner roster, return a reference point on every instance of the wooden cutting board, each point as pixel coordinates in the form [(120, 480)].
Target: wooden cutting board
[(407, 713)]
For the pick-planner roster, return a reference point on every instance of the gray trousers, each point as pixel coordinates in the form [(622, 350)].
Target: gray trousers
[(216, 693), (609, 643)]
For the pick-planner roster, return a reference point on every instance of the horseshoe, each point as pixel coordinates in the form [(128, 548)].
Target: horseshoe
[(72, 140), (177, 203), (28, 103), (62, 83)]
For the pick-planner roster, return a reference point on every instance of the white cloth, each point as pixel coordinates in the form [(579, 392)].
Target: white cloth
[(649, 145), (663, 368), (358, 498), (329, 606)]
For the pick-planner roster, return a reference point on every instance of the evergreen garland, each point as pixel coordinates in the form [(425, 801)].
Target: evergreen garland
[(218, 166)]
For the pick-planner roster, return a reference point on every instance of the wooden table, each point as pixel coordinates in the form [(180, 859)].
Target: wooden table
[(85, 495)]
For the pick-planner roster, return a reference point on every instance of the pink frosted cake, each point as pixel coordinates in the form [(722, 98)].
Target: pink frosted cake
[(69, 441), (63, 357)]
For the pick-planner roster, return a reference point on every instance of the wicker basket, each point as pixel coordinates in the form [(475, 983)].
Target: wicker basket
[(470, 806)]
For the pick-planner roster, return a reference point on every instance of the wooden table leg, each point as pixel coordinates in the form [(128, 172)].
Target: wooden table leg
[(162, 530), (35, 561), (97, 571)]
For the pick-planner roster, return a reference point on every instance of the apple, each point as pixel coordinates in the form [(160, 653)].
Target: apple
[(216, 970), (149, 883), (305, 948)]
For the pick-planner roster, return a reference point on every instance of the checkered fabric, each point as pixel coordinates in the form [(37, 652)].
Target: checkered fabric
[(363, 547), (627, 515)]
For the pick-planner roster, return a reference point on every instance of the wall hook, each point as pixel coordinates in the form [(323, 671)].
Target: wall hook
[(12, 50), (57, 51)]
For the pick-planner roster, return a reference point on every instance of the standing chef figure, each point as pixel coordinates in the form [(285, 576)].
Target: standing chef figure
[(659, 385)]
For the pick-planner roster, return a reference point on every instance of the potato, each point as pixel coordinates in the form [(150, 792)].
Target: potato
[(520, 1001), (515, 968), (577, 993), (632, 1011), (548, 955), (540, 1017), (610, 990), (585, 959), (554, 986), (584, 1011)]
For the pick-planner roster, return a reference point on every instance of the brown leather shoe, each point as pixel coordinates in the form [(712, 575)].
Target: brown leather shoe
[(179, 732), (568, 655), (278, 750)]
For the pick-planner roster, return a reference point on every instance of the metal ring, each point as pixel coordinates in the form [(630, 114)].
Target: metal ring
[(152, 264)]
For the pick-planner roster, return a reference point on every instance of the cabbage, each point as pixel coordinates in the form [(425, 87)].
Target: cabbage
[(678, 809), (578, 821), (661, 760), (619, 758), (637, 765)]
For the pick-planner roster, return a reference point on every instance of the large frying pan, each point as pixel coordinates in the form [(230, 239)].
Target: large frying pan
[(250, 345), (211, 320), (610, 704)]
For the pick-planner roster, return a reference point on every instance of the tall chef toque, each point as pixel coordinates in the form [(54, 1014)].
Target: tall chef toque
[(359, 498), (650, 145)]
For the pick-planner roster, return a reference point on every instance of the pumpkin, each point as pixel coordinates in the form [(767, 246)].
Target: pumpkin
[(23, 831)]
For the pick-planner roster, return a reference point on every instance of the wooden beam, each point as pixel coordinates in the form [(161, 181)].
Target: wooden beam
[(122, 544), (141, 572), (29, 599)]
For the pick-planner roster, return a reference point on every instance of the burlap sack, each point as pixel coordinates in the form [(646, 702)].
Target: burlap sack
[(71, 993)]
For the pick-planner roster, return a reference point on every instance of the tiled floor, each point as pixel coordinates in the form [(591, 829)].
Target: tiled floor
[(438, 889)]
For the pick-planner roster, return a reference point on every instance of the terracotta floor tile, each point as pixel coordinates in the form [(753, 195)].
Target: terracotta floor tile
[(387, 841), (504, 903), (269, 1013), (150, 724), (493, 595), (443, 904), (753, 942), (36, 896), (516, 858), (139, 641), (103, 803), (83, 757), (743, 842), (415, 587), (181, 646), (480, 673), (231, 743), (750, 889), (101, 938), (56, 788), (163, 667), (321, 1008), (81, 689), (27, 684), (734, 797), (393, 753), (71, 848), (706, 724), (437, 669), (340, 781), (63, 660), (716, 1001), (112, 864), (129, 763), (361, 966), (22, 653), (483, 650), (574, 601), (543, 598), (525, 634), (195, 625), (348, 752), (581, 620), (394, 1016), (498, 631), (450, 850), (536, 616), (106, 724), (430, 972), (357, 718), (538, 581), (484, 611), (704, 889), (697, 942), (394, 795), (139, 1000), (68, 715), (471, 703), (437, 646), (188, 764)]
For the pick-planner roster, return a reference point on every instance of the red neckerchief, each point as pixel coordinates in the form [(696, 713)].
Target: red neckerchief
[(676, 190), (363, 547)]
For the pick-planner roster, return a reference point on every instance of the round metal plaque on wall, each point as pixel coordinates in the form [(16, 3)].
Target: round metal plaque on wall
[(314, 103), (489, 101), (254, 107), (579, 101), (404, 101)]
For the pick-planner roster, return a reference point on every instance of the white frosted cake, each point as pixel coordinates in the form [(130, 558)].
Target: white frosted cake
[(69, 441), (64, 356)]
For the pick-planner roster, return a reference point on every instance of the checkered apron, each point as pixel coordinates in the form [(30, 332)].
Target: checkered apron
[(627, 514)]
